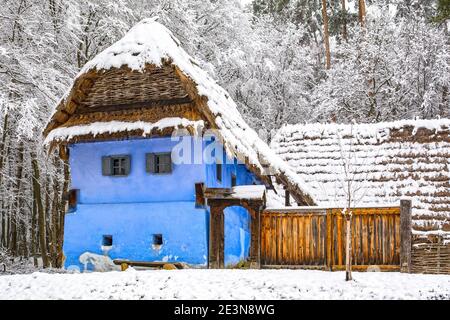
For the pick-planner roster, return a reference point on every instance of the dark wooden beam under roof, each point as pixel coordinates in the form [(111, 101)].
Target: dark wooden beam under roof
[(82, 109)]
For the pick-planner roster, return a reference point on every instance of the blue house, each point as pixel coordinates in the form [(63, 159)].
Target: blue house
[(162, 165)]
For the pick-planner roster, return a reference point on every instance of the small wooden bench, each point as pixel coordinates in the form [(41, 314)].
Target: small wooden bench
[(124, 264)]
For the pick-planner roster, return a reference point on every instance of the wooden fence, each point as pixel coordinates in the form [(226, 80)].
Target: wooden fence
[(315, 238)]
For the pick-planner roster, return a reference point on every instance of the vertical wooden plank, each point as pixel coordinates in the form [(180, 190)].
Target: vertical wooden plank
[(306, 239), (365, 240), (289, 244), (383, 237), (334, 246), (390, 240), (301, 234), (397, 238), (284, 238), (294, 238), (380, 238), (329, 239), (312, 239), (263, 240), (372, 239), (354, 244), (318, 243), (324, 239), (339, 239), (280, 239), (274, 238), (266, 239)]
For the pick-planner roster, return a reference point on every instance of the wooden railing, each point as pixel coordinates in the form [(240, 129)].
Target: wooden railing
[(315, 238)]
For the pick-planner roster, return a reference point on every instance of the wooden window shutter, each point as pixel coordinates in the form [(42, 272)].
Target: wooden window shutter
[(127, 165), (165, 163), (150, 163), (106, 166)]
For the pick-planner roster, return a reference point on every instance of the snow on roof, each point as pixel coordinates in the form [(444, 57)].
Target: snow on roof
[(249, 192), (389, 161), (97, 128), (149, 42)]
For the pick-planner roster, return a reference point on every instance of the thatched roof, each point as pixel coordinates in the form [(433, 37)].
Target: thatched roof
[(388, 161), (146, 84)]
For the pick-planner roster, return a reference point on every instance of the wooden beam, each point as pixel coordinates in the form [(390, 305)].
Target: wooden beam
[(83, 109), (287, 198), (255, 239), (200, 200), (216, 258), (150, 264), (405, 235)]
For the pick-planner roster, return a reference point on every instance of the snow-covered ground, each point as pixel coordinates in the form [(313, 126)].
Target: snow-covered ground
[(224, 284)]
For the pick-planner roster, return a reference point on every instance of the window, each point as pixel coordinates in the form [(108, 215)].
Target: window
[(157, 239), (219, 172), (159, 162), (116, 165), (233, 180), (107, 240)]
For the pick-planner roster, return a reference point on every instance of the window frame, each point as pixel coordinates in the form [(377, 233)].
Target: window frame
[(155, 162), (121, 166), (110, 160)]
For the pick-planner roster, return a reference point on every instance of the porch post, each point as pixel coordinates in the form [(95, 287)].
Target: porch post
[(216, 238)]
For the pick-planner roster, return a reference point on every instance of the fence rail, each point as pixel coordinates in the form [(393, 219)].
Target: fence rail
[(315, 238)]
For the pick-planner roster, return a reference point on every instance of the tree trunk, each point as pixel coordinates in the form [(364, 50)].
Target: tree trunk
[(62, 212), (40, 210), (55, 216), (3, 218), (443, 107), (16, 214), (2, 144), (33, 232), (344, 20), (326, 35), (362, 12)]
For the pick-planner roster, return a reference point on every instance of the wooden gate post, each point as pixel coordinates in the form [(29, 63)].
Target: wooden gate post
[(216, 255), (405, 236), (255, 239)]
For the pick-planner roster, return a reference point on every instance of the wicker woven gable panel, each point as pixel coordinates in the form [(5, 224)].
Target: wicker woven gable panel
[(126, 87)]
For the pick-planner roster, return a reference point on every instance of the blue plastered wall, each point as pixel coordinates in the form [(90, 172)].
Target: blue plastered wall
[(134, 208)]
